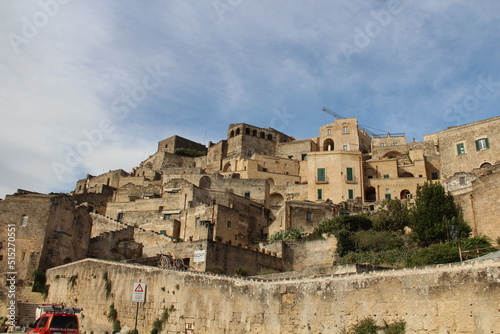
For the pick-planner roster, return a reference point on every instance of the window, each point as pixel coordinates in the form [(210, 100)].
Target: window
[(482, 144), (386, 176), (320, 194), (249, 153), (382, 144), (321, 175), (349, 174), (460, 149), (24, 220), (345, 129), (304, 157), (119, 217), (167, 216), (309, 216), (388, 196), (247, 195), (435, 175), (351, 193), (345, 148), (197, 221), (329, 131), (228, 224), (264, 169), (462, 181)]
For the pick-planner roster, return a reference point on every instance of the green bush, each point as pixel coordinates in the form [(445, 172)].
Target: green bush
[(376, 241), (398, 327), (435, 254), (365, 326), (293, 234)]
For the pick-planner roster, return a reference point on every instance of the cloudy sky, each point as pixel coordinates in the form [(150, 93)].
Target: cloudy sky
[(91, 86)]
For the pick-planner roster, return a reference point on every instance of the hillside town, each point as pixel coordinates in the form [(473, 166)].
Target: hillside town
[(212, 208)]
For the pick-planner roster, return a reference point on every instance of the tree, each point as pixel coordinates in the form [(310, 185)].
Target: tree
[(393, 215), (435, 217)]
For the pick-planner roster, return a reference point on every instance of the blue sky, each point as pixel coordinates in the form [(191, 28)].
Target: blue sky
[(92, 86)]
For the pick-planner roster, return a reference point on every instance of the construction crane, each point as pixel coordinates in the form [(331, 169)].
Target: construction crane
[(338, 116)]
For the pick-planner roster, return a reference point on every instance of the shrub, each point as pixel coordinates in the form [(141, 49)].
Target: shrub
[(293, 234), (365, 326)]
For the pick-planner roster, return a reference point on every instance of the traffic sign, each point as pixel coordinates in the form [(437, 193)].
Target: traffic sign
[(139, 292)]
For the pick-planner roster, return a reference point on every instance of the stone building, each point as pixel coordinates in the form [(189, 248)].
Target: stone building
[(50, 230)]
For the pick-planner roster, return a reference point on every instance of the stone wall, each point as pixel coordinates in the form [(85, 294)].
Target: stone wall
[(455, 298)]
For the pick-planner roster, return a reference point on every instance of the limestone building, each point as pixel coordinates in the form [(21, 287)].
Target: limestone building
[(50, 230)]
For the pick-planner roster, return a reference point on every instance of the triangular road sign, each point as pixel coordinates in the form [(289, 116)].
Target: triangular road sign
[(139, 288)]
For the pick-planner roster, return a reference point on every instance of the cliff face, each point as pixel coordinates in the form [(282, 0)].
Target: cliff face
[(455, 298)]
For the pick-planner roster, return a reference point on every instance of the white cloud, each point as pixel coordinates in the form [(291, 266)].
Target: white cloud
[(259, 57)]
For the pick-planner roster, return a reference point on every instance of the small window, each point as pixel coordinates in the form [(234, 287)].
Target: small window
[(320, 194), (304, 157), (351, 193), (329, 131), (167, 216), (247, 195), (388, 196), (386, 176), (290, 157), (249, 153), (24, 220), (382, 144), (395, 144), (345, 148), (460, 149), (264, 169), (119, 217), (321, 175), (345, 129), (462, 181), (228, 224), (482, 144), (435, 175), (197, 221), (309, 216)]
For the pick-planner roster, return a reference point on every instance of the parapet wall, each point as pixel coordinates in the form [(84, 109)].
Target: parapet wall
[(456, 298)]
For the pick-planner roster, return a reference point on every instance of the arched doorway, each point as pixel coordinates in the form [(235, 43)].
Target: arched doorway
[(485, 165), (205, 182), (328, 145), (227, 167), (405, 194)]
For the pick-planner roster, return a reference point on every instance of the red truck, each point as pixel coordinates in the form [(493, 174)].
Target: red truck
[(56, 319)]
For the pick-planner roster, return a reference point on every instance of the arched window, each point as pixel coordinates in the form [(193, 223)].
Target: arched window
[(237, 131), (328, 145), (247, 131), (231, 134), (254, 133), (270, 137), (262, 135)]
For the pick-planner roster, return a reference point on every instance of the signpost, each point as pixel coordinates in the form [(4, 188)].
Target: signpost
[(138, 296)]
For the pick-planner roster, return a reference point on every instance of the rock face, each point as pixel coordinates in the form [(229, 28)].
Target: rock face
[(454, 298)]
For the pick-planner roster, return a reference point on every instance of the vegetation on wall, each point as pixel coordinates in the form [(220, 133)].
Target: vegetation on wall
[(369, 326), (113, 318), (435, 221), (160, 322), (39, 283), (107, 284), (293, 234), (189, 152)]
